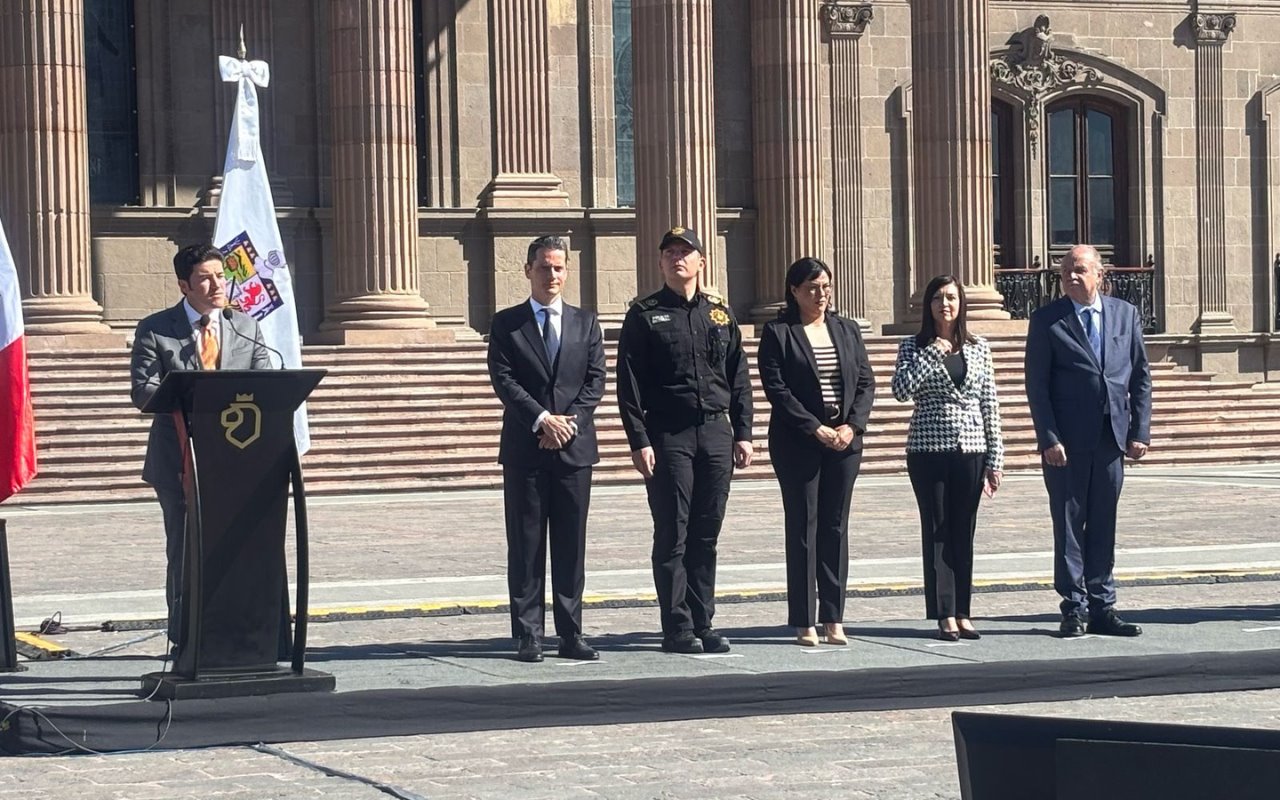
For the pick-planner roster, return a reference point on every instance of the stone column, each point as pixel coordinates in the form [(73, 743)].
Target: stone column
[(951, 144), (675, 130), (44, 156), (1211, 32), (787, 140), (521, 112), (375, 176), (846, 22)]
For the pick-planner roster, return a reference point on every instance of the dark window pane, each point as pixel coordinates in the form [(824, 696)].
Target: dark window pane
[(1102, 211), (1062, 142), (624, 137), (995, 143), (1101, 160), (111, 102), (995, 208), (1062, 211)]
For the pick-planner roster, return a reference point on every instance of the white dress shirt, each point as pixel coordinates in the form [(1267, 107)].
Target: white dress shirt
[(554, 319), (1096, 308), (194, 316)]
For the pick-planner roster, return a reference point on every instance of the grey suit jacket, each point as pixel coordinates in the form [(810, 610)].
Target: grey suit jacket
[(165, 342), (1070, 393)]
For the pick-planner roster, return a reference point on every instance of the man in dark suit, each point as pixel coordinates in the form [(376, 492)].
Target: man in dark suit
[(546, 363), (197, 333), (1089, 387)]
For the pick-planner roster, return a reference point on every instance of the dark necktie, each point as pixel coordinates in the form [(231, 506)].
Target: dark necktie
[(549, 337), (1091, 333)]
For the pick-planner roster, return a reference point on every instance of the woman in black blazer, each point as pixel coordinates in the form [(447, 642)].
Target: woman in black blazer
[(818, 379), (954, 446)]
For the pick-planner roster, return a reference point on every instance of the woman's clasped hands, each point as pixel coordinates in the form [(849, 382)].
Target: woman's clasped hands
[(835, 438)]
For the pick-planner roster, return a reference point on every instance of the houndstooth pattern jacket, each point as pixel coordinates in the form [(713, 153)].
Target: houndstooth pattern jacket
[(945, 418)]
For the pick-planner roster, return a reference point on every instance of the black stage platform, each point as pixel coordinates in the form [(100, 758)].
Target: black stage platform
[(392, 689)]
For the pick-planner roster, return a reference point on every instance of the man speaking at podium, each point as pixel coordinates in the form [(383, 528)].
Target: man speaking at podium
[(201, 332)]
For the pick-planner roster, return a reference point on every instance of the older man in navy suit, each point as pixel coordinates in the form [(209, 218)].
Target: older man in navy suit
[(1089, 387), (546, 363)]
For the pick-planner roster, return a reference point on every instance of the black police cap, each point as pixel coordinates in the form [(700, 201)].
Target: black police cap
[(678, 234)]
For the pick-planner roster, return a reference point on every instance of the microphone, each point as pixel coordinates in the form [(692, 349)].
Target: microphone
[(204, 321), (226, 315)]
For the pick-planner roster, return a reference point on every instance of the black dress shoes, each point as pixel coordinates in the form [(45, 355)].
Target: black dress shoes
[(682, 642), (1108, 624), (1071, 627), (946, 635), (712, 640), (530, 649), (576, 647)]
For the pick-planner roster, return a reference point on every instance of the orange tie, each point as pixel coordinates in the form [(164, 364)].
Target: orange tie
[(208, 347)]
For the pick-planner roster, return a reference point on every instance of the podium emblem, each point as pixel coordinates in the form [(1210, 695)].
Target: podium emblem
[(242, 421)]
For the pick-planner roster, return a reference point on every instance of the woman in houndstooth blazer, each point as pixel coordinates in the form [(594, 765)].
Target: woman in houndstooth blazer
[(954, 447)]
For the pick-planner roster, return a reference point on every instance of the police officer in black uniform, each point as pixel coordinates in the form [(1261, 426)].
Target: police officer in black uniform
[(685, 399)]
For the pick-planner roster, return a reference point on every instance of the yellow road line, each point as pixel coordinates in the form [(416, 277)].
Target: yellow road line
[(336, 613)]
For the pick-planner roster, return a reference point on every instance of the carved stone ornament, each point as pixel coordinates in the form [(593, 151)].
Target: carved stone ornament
[(845, 18), (1212, 28), (1034, 69)]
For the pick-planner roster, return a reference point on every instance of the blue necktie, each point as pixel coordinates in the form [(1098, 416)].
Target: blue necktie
[(1091, 333), (549, 337)]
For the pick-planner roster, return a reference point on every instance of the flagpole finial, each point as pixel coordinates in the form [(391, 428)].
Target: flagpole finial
[(242, 51)]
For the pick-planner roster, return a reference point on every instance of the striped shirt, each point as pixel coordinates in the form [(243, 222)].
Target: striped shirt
[(829, 375)]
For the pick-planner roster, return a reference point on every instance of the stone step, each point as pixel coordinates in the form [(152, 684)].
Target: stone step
[(424, 417), (488, 476), (425, 449), (61, 382)]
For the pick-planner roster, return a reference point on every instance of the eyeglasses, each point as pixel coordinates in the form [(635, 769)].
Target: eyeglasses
[(824, 288)]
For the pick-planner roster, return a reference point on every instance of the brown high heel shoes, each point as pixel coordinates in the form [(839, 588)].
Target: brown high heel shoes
[(835, 633)]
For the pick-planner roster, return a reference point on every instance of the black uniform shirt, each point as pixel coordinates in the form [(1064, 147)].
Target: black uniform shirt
[(680, 363)]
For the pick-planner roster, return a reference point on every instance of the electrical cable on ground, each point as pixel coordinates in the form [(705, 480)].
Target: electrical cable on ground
[(394, 791)]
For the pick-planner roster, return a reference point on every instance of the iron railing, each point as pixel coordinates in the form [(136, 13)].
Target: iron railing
[(1025, 290)]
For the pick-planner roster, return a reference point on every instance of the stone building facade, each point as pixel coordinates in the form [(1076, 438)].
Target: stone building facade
[(417, 145)]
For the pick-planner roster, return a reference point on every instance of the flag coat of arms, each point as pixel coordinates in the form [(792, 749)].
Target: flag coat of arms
[(17, 422), (246, 232)]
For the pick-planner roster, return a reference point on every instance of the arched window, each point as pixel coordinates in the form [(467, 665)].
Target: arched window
[(1003, 245), (1088, 186)]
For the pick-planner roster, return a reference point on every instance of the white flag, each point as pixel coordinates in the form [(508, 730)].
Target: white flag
[(247, 234)]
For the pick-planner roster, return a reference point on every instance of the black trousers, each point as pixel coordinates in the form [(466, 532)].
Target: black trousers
[(817, 488), (1083, 497), (548, 501), (948, 487), (173, 506), (687, 497)]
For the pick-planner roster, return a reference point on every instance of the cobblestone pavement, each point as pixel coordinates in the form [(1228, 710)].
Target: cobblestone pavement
[(405, 538), (903, 755)]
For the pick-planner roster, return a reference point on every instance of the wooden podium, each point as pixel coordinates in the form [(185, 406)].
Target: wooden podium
[(235, 428)]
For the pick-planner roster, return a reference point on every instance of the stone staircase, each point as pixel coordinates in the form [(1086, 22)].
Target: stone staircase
[(424, 418)]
